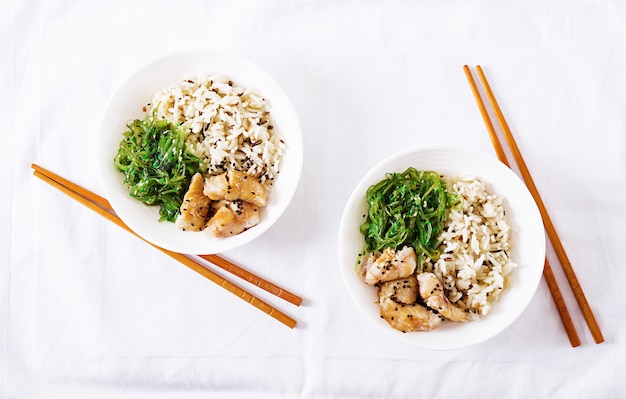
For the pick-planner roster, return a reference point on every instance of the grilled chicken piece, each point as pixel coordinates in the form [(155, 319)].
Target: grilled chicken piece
[(389, 265), (232, 217), (431, 291), (402, 290), (405, 317), (234, 185), (195, 208)]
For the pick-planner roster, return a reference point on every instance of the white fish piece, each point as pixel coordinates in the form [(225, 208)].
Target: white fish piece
[(431, 291), (403, 290), (194, 211), (405, 317), (232, 218), (389, 265), (234, 185)]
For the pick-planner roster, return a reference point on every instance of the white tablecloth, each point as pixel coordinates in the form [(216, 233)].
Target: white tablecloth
[(88, 311)]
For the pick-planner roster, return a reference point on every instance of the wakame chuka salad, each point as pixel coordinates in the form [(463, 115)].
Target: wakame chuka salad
[(156, 165), (408, 209)]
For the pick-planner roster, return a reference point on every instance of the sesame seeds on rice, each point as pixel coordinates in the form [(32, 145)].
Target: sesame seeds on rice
[(475, 265), (227, 126)]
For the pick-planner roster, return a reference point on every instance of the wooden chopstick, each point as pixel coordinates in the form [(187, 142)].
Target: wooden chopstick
[(585, 309), (193, 265), (214, 259), (253, 279), (548, 274)]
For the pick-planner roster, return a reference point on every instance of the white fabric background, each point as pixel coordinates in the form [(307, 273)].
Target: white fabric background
[(87, 311)]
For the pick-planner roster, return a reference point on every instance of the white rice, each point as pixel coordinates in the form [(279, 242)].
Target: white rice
[(228, 127), (475, 265)]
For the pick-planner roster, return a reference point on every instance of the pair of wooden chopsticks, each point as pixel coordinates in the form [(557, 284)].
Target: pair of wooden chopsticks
[(549, 226), (103, 208)]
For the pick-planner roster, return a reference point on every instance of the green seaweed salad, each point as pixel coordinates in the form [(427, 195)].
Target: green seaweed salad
[(156, 165), (408, 209)]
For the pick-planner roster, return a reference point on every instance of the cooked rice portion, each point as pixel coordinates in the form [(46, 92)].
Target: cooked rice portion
[(228, 126), (474, 265)]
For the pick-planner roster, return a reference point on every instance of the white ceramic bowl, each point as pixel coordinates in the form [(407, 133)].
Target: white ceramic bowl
[(528, 240), (125, 105)]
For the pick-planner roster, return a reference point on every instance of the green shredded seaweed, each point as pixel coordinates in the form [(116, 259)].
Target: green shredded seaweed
[(157, 167), (408, 209)]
